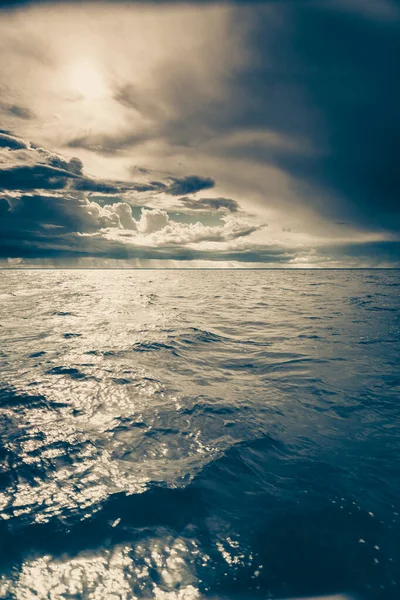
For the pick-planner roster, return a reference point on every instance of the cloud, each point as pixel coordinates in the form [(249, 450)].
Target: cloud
[(45, 206), (35, 167), (131, 96), (147, 187), (34, 177), (206, 204), (195, 233), (109, 144), (152, 220), (385, 253), (90, 185), (319, 119), (46, 211), (75, 165), (63, 175), (71, 246), (11, 142), (341, 99), (95, 250), (30, 222), (15, 110), (124, 212), (42, 169), (258, 100), (189, 185), (30, 213)]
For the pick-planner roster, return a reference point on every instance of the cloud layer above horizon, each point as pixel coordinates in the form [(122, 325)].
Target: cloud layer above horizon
[(257, 134)]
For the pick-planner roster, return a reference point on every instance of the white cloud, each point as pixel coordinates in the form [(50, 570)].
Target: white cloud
[(152, 220), (123, 211), (195, 233)]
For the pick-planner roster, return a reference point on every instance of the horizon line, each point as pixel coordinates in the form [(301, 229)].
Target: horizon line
[(199, 268)]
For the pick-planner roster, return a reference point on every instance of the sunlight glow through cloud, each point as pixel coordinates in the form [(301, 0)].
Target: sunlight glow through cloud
[(84, 77)]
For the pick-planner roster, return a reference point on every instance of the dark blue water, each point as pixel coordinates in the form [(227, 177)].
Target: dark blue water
[(199, 434)]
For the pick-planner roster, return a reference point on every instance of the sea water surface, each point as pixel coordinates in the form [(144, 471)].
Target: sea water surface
[(199, 434)]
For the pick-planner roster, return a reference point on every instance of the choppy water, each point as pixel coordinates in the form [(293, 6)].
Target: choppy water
[(187, 434)]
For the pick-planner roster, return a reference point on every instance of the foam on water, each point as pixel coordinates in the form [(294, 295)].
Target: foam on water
[(199, 434)]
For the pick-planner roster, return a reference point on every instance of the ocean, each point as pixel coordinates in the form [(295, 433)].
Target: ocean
[(182, 435)]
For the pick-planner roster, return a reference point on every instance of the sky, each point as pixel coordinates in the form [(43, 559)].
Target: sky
[(257, 134)]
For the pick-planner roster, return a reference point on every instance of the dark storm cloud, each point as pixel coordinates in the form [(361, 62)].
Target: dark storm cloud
[(34, 177), (4, 207), (11, 142), (324, 76), (358, 89), (69, 245), (31, 214), (45, 170), (90, 185), (226, 204), (331, 78), (51, 171), (366, 253), (152, 186), (47, 177), (189, 185), (41, 169)]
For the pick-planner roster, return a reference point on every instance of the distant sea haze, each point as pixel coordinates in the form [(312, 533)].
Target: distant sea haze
[(211, 434)]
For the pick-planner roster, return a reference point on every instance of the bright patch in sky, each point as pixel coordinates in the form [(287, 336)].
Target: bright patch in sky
[(84, 78)]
